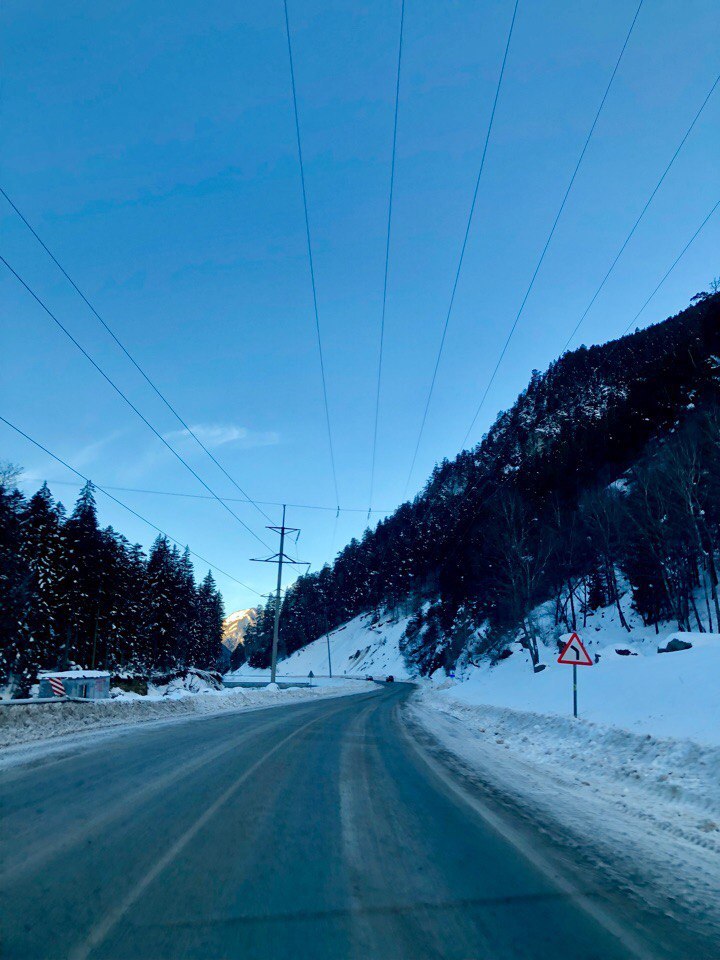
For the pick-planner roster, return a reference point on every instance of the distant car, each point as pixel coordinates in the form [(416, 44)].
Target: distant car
[(368, 677), (390, 679)]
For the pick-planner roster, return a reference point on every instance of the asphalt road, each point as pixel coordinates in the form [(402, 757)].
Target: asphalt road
[(318, 830)]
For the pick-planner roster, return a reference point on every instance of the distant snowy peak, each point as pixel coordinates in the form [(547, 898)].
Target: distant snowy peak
[(235, 625)]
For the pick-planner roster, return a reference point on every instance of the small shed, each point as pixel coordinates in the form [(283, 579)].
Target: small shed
[(87, 684)]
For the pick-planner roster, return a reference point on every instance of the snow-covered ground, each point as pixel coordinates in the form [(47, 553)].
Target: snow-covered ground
[(357, 649), (22, 723), (667, 695)]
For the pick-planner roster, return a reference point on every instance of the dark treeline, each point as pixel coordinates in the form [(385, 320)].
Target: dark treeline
[(73, 593), (605, 472)]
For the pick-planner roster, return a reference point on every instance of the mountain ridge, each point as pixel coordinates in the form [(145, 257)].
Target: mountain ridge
[(522, 498), (235, 626)]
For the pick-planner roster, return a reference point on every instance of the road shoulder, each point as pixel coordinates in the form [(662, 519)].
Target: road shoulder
[(34, 731), (637, 841)]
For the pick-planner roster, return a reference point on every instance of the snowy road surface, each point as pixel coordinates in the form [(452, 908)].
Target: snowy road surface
[(316, 830)]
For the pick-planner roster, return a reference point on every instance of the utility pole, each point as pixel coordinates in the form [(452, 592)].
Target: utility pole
[(327, 637), (280, 557)]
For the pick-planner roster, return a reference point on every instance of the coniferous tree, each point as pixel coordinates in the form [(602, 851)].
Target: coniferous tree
[(81, 585), (210, 625), (161, 595), (73, 593), (41, 548), (572, 535), (17, 654)]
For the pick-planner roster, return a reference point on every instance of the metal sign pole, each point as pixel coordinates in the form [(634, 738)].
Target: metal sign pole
[(574, 689), (574, 654)]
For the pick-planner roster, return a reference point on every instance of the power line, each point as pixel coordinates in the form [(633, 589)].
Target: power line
[(120, 503), (387, 256), (672, 266), (642, 213), (464, 245), (555, 222), (124, 349), (310, 255), (127, 400), (204, 496), (456, 538)]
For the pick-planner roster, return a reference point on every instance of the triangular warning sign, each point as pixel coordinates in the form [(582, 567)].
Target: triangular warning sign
[(574, 652)]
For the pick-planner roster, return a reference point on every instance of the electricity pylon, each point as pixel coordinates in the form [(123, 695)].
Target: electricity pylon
[(279, 558)]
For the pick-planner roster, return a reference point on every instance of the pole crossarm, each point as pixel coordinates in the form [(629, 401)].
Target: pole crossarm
[(276, 556)]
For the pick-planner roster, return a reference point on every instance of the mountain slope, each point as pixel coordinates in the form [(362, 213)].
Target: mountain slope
[(364, 646), (235, 626), (530, 512)]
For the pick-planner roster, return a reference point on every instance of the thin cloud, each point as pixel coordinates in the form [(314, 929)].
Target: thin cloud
[(87, 455), (220, 435)]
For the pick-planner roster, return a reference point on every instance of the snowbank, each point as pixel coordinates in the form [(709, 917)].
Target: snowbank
[(678, 771), (21, 723)]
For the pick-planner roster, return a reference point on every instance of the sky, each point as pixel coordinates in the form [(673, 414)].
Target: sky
[(152, 146)]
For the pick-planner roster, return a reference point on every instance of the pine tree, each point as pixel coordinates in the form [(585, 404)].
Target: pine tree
[(188, 618), (210, 623), (83, 550), (161, 586), (129, 647), (41, 548), (17, 656)]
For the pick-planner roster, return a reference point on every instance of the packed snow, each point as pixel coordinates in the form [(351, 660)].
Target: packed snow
[(632, 782), (631, 685)]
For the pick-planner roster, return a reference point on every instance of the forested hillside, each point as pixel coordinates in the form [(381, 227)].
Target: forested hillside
[(72, 593), (604, 473)]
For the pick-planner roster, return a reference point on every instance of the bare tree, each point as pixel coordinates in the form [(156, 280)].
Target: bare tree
[(10, 473), (601, 511), (683, 468), (521, 558)]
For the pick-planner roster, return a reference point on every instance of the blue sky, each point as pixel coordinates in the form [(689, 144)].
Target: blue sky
[(152, 146)]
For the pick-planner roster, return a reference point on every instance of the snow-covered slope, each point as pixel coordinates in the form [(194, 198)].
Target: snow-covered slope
[(637, 689), (359, 648), (667, 695)]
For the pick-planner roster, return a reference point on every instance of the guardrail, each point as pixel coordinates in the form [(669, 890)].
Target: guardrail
[(31, 701)]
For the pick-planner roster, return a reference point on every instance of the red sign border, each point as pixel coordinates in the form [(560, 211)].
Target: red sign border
[(576, 663)]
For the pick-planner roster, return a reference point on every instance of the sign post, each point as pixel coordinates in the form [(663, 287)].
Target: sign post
[(575, 690), (576, 655)]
